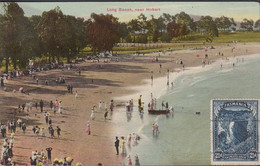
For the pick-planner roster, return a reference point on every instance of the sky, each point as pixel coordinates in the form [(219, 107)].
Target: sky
[(237, 10)]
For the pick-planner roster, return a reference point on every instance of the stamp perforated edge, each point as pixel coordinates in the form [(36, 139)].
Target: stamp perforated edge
[(211, 136)]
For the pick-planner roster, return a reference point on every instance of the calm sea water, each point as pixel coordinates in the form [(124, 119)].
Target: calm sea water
[(184, 136)]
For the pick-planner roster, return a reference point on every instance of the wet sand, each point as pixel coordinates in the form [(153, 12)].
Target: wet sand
[(109, 80)]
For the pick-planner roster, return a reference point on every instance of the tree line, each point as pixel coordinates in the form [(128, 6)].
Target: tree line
[(54, 35)]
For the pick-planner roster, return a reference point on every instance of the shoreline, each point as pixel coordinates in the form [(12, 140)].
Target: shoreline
[(111, 81)]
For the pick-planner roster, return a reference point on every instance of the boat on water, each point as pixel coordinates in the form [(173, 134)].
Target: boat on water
[(153, 111)]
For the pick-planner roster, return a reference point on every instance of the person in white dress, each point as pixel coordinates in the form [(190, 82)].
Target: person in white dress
[(60, 108), (92, 116), (100, 105)]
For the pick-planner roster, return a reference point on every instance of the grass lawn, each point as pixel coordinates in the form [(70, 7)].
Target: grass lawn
[(224, 37)]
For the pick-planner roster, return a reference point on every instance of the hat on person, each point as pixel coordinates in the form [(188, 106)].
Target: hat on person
[(78, 164), (68, 159)]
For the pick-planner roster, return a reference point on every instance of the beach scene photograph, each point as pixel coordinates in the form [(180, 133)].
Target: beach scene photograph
[(129, 83)]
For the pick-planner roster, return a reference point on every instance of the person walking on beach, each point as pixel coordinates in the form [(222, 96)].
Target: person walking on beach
[(56, 106), (137, 162), (23, 127), (51, 131), (36, 105), (58, 131), (92, 116), (41, 105), (129, 139), (105, 115), (153, 128), (156, 129), (71, 89), (122, 146), (139, 100), (129, 163), (100, 105), (60, 108), (51, 104), (117, 145), (88, 128), (43, 132), (49, 154), (76, 94), (111, 105), (68, 88)]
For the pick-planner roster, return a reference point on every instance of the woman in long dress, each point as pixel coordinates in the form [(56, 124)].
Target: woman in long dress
[(60, 108), (92, 116), (111, 105), (129, 163), (122, 146), (88, 128), (129, 139)]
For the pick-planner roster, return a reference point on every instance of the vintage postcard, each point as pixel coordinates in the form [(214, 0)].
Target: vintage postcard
[(235, 132), (129, 83)]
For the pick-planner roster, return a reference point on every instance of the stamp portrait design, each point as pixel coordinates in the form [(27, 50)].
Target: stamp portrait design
[(234, 131)]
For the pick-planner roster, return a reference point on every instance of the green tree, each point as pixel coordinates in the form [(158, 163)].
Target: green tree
[(12, 28), (257, 24), (51, 32), (124, 32), (224, 22), (209, 27), (30, 44), (247, 24), (184, 19), (103, 32), (133, 26)]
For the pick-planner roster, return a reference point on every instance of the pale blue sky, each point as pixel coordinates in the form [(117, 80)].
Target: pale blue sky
[(237, 10)]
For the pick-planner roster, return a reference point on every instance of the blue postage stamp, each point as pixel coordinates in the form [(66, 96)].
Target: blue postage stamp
[(234, 132)]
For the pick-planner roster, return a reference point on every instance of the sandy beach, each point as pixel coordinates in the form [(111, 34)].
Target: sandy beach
[(97, 82)]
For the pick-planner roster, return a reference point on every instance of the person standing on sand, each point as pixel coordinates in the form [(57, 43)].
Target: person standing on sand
[(76, 94), (36, 105), (51, 104), (23, 127), (71, 89), (60, 108), (117, 145), (56, 105), (68, 88), (43, 132), (111, 105), (88, 128), (41, 105), (58, 131), (100, 105), (51, 131), (105, 115), (49, 154), (92, 116)]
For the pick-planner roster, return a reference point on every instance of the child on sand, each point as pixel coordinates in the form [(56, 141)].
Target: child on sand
[(88, 128)]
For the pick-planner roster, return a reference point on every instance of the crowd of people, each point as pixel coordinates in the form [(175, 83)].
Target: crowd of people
[(7, 150)]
